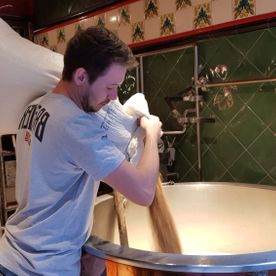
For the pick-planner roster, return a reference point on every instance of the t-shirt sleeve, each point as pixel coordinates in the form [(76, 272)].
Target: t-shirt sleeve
[(88, 148)]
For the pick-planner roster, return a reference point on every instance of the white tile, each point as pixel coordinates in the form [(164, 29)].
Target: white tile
[(94, 20), (84, 23), (97, 17), (184, 20), (202, 23), (70, 31), (137, 11), (52, 37), (124, 33), (166, 6), (198, 2), (152, 28), (89, 21), (36, 38), (112, 20), (61, 48), (221, 11), (265, 6)]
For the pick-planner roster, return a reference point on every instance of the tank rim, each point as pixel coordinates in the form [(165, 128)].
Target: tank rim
[(222, 263)]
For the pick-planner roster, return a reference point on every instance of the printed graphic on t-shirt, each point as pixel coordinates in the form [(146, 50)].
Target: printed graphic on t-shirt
[(34, 119)]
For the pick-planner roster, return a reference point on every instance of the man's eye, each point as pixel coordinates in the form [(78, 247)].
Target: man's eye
[(112, 88)]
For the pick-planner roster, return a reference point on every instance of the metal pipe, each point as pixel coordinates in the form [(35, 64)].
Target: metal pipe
[(197, 113), (166, 50), (137, 79), (141, 75), (174, 132), (225, 83)]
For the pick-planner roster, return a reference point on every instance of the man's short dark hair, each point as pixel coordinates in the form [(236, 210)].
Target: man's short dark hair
[(95, 49)]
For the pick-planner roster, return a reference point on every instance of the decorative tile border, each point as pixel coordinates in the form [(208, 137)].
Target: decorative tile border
[(138, 32), (151, 8), (202, 16), (181, 4), (61, 35), (45, 40), (167, 24), (141, 21), (124, 15), (243, 8)]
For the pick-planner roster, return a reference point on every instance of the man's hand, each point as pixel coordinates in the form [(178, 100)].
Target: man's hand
[(152, 126)]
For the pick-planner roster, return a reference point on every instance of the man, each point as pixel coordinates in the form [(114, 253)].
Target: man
[(61, 155)]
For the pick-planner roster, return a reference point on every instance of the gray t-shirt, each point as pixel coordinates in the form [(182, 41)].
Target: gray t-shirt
[(61, 155)]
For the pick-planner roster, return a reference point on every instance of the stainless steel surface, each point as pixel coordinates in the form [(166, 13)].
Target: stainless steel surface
[(198, 134), (223, 227), (174, 132), (141, 75), (252, 81), (167, 50), (137, 78)]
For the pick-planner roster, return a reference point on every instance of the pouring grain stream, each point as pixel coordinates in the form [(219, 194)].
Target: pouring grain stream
[(163, 226), (119, 208)]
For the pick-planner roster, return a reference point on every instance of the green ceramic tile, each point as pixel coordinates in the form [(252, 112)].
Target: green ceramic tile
[(273, 31), (172, 57), (224, 144), (226, 148), (181, 59), (246, 126), (263, 51), (263, 150), (227, 177), (227, 115), (268, 181), (272, 174), (211, 53), (208, 48), (210, 131), (183, 167), (174, 83), (244, 42), (188, 148), (267, 87), (157, 67), (185, 65), (159, 107), (248, 91), (273, 127), (212, 168), (264, 105), (246, 170), (190, 176), (151, 86), (237, 60), (246, 70)]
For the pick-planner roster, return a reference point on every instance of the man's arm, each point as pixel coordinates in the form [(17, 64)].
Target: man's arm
[(137, 183)]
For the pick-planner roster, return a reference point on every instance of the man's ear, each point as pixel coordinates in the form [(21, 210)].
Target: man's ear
[(80, 76)]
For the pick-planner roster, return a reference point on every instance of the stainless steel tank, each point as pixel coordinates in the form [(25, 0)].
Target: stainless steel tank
[(223, 228)]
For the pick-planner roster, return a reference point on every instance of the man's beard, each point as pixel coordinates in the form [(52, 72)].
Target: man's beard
[(85, 104)]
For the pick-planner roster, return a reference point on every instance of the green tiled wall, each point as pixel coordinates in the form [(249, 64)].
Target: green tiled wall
[(241, 145)]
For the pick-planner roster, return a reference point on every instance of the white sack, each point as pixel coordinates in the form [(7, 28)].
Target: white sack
[(120, 123), (27, 71)]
